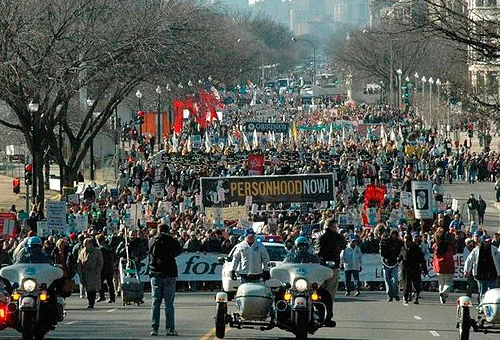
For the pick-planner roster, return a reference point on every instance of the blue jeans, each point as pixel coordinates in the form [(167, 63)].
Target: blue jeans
[(391, 281), (162, 288), (349, 285), (483, 287)]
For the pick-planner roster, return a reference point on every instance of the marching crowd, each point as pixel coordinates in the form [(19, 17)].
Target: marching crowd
[(409, 152)]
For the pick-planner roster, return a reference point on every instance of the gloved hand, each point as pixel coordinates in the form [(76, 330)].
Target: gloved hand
[(233, 275), (266, 275), (360, 269)]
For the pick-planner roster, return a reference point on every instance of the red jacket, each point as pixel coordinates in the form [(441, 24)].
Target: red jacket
[(444, 264)]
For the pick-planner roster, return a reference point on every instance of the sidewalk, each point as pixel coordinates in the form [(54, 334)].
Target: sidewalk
[(8, 198)]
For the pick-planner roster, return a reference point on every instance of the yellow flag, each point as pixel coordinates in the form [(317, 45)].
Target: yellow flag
[(295, 132)]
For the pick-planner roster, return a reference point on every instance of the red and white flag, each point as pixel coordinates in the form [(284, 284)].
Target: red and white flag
[(236, 132), (255, 165)]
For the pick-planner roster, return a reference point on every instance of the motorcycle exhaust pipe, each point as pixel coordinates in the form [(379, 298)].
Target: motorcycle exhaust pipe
[(281, 305), (12, 308)]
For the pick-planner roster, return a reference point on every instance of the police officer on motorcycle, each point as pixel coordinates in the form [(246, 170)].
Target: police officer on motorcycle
[(33, 251), (33, 254), (252, 259), (301, 254)]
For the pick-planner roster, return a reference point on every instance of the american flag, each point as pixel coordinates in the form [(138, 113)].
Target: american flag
[(236, 132)]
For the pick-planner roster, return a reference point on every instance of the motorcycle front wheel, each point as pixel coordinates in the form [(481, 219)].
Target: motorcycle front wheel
[(220, 320), (302, 325), (27, 325), (464, 323)]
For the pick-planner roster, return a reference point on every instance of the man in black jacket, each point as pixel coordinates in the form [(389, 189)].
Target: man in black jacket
[(328, 244), (163, 249), (413, 265), (390, 247)]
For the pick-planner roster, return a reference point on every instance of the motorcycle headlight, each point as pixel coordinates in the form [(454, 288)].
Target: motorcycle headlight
[(29, 285), (301, 285)]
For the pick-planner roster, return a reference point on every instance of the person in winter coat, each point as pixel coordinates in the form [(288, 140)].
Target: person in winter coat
[(328, 244), (483, 263), (390, 247), (351, 262), (472, 205), (471, 282), (413, 265), (481, 209), (443, 263), (89, 267), (134, 248), (108, 267), (163, 249), (193, 244)]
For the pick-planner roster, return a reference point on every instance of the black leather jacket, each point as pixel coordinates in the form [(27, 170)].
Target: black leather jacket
[(328, 245)]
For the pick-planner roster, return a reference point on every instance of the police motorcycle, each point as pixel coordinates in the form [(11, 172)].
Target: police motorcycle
[(31, 306), (299, 310), (488, 319)]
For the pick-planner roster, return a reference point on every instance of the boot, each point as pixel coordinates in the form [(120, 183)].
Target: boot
[(91, 298), (101, 296)]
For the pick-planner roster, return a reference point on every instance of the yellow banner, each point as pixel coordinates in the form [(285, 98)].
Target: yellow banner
[(227, 213)]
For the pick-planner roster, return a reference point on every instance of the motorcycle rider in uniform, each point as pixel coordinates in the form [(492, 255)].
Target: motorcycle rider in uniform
[(32, 253), (252, 259), (301, 254)]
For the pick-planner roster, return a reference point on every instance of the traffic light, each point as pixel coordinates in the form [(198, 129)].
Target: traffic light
[(28, 175), (140, 117), (406, 94)]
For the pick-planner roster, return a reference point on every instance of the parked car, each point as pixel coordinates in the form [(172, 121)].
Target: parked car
[(277, 252)]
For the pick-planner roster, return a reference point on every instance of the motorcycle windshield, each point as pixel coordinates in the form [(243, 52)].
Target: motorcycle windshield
[(312, 272), (41, 272)]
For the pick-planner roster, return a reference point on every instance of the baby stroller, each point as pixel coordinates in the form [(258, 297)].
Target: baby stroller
[(132, 288)]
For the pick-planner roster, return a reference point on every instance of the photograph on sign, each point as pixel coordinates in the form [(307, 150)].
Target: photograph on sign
[(422, 202)]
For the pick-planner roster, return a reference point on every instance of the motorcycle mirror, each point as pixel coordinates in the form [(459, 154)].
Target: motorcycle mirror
[(221, 259)]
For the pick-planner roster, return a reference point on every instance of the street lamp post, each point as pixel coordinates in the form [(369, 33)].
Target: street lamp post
[(431, 81), (90, 103), (424, 80), (261, 57), (447, 88), (169, 115), (399, 72), (32, 108), (158, 118), (294, 39), (138, 94)]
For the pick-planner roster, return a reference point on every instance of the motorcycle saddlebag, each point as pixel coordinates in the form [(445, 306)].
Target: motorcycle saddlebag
[(253, 301), (491, 305)]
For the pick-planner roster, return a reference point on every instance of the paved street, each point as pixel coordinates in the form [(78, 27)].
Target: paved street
[(368, 316), (461, 191)]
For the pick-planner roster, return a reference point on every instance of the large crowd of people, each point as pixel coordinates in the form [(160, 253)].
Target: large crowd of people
[(367, 145)]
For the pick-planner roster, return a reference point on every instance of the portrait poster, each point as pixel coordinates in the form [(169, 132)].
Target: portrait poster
[(422, 199)]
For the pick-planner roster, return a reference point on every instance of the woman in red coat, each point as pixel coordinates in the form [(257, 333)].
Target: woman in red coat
[(444, 262)]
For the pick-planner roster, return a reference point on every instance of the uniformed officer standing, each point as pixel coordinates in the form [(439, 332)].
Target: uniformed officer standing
[(252, 259)]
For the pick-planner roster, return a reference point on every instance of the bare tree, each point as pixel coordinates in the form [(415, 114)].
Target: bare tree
[(61, 53), (475, 28)]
